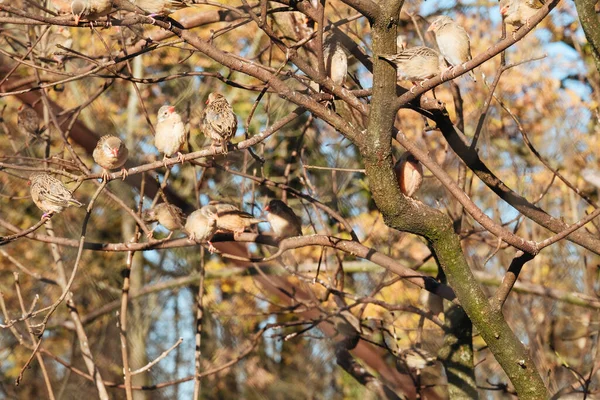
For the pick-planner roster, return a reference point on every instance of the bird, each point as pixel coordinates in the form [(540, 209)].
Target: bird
[(416, 358), (218, 120), (592, 176), (168, 215), (416, 64), (28, 121), (90, 9), (49, 194), (283, 220), (453, 41), (201, 225), (401, 41), (409, 173), (61, 6), (161, 7), (336, 59), (170, 133), (232, 219), (518, 12), (110, 153)]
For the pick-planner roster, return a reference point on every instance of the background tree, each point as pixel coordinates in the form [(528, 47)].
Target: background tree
[(503, 227)]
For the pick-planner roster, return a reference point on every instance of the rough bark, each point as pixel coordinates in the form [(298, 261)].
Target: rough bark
[(586, 9), (405, 214)]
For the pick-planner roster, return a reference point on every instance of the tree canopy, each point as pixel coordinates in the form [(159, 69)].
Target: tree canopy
[(450, 243)]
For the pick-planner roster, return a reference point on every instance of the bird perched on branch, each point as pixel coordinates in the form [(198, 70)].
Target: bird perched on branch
[(336, 59), (218, 120), (49, 194), (28, 121), (518, 12), (110, 153), (416, 64), (90, 9), (416, 358), (201, 225), (232, 219), (283, 220), (161, 7), (409, 173), (453, 42), (168, 215), (170, 133)]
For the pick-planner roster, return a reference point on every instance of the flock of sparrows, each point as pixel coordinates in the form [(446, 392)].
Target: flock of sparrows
[(219, 123), (91, 10), (52, 196), (417, 64)]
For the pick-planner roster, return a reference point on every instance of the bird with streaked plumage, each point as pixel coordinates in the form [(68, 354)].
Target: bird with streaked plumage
[(49, 194), (416, 64), (218, 120), (28, 121), (90, 9), (231, 219), (161, 7)]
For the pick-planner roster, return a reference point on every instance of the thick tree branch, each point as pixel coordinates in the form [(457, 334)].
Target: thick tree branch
[(469, 156), (368, 8), (404, 214), (588, 16)]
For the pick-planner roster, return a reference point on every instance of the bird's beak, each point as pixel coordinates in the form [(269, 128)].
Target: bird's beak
[(503, 10), (171, 109), (115, 152), (430, 28), (267, 209), (77, 18)]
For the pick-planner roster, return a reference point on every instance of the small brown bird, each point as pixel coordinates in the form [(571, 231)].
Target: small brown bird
[(416, 64), (161, 7), (453, 42), (592, 176), (218, 120), (201, 226), (49, 194), (232, 219), (518, 12), (409, 173), (168, 215), (283, 220), (90, 9), (61, 6), (336, 59), (28, 121), (416, 358), (170, 133), (110, 153)]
